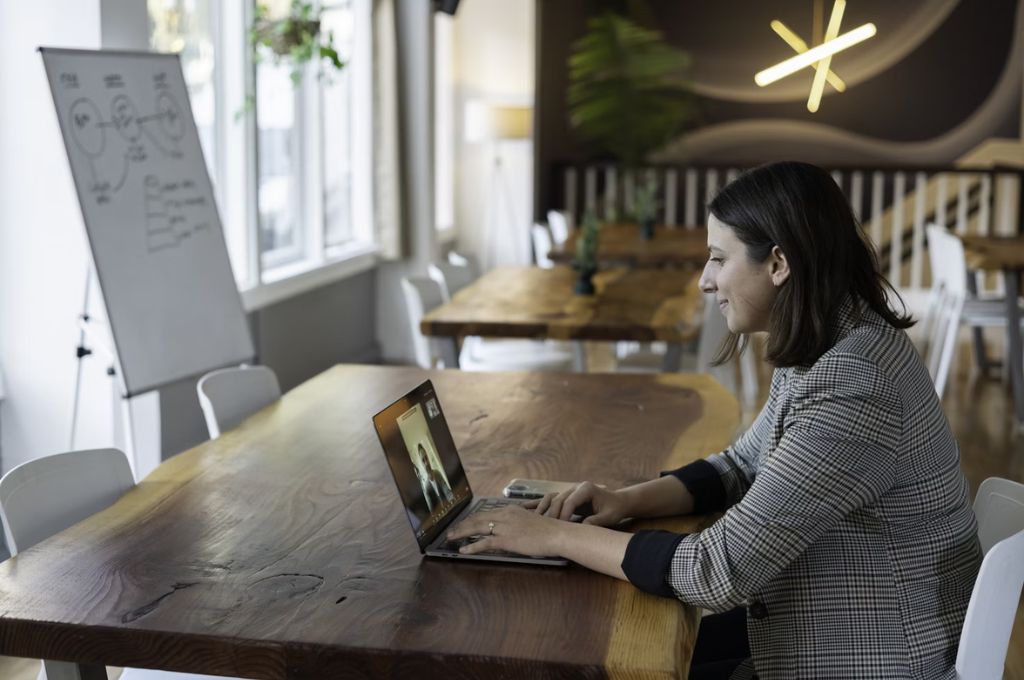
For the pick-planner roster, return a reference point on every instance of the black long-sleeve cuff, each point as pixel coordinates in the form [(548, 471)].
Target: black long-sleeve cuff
[(648, 558), (704, 483)]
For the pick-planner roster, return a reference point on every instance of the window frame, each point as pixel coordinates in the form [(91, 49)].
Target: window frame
[(311, 264)]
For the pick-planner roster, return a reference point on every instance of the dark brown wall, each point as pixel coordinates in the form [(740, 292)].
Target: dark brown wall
[(926, 94)]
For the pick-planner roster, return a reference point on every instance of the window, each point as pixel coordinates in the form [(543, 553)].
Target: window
[(444, 123), (186, 27), (290, 172)]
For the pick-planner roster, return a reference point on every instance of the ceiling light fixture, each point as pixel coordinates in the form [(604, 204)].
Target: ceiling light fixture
[(818, 57)]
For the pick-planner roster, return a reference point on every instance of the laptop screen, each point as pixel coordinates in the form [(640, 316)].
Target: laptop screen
[(421, 454)]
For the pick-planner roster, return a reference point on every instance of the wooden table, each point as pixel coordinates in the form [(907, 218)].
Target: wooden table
[(644, 305), (622, 244), (281, 550), (1005, 254)]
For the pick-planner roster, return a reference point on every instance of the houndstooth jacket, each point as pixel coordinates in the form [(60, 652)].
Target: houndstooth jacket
[(848, 533)]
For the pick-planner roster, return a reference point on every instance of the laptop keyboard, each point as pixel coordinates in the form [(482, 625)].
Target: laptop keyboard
[(483, 506)]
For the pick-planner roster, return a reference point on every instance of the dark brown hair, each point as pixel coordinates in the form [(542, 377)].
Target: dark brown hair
[(799, 208)]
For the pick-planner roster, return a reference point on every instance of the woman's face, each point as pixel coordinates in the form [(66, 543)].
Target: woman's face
[(745, 290)]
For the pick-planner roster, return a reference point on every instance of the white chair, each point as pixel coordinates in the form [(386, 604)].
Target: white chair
[(999, 507), (951, 305), (467, 261), (230, 395), (541, 245), (47, 495), (451, 277), (560, 224), (423, 294)]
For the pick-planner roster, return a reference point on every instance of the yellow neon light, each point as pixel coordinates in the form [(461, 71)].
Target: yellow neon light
[(799, 46), (794, 64), (818, 86)]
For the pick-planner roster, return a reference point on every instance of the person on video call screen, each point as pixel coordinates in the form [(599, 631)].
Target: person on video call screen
[(433, 483)]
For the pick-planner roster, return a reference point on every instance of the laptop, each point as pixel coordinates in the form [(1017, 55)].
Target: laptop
[(431, 481)]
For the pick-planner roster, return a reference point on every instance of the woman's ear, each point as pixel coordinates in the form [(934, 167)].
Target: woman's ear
[(778, 267)]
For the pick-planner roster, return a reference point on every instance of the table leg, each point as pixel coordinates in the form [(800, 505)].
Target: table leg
[(1013, 351), (63, 670), (977, 335), (449, 348), (579, 356), (673, 357)]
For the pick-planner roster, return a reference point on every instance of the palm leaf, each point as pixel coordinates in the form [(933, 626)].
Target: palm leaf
[(628, 94)]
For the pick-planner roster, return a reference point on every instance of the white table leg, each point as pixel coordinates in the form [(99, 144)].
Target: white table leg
[(673, 357), (579, 356)]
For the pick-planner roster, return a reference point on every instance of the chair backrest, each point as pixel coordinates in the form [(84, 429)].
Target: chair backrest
[(935, 243), (949, 283), (422, 294), (559, 223), (999, 507), (230, 395), (541, 245), (467, 261), (985, 638), (451, 277), (47, 495), (947, 259)]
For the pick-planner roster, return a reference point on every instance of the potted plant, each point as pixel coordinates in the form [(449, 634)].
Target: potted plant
[(585, 262), (645, 208)]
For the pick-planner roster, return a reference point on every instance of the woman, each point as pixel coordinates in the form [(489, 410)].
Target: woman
[(848, 535)]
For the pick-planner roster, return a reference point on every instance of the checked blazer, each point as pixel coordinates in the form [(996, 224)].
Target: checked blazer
[(848, 533)]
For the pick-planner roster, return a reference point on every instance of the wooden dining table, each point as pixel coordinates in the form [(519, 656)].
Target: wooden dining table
[(281, 550), (622, 244), (643, 305), (1004, 254)]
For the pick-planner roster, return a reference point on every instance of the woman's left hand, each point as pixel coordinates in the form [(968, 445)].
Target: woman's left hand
[(510, 528)]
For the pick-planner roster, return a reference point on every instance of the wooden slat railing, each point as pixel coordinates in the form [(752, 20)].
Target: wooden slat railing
[(893, 203)]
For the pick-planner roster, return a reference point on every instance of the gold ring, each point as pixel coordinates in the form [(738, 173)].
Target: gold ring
[(490, 528)]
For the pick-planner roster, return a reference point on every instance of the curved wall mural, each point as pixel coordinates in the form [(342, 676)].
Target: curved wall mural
[(938, 79)]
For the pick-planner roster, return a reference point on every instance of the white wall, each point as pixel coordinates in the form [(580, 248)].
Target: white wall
[(416, 117), (43, 253), (494, 61), (43, 260)]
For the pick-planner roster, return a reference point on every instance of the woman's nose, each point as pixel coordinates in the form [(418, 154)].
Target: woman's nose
[(707, 282)]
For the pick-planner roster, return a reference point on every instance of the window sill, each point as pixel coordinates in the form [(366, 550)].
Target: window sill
[(288, 281), (447, 236)]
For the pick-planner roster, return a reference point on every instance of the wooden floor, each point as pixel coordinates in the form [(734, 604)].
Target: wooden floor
[(980, 411)]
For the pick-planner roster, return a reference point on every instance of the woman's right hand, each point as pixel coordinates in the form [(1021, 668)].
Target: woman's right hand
[(608, 507)]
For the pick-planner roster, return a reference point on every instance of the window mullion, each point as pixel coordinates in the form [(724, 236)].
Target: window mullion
[(312, 164)]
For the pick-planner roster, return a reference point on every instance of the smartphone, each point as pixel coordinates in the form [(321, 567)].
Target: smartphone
[(534, 488)]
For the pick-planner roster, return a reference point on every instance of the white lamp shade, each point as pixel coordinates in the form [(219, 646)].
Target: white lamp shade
[(492, 121)]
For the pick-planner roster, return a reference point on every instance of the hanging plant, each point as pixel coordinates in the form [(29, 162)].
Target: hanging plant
[(295, 39)]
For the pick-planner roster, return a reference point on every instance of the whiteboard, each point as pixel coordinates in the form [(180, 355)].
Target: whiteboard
[(148, 206)]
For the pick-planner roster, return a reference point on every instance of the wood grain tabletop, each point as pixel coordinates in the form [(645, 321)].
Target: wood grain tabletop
[(994, 252), (281, 549), (531, 302), (622, 244)]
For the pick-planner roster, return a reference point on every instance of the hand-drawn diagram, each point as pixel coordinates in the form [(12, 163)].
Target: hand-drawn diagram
[(168, 205), (110, 160)]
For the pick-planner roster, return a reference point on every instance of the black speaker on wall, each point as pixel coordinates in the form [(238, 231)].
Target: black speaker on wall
[(446, 6)]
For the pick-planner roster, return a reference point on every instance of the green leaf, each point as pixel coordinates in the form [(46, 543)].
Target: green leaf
[(329, 53)]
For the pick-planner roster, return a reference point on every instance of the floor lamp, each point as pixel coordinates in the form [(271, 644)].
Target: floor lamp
[(499, 124)]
